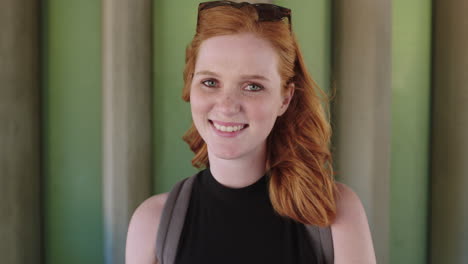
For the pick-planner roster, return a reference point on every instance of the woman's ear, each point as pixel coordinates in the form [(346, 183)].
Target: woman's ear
[(287, 97)]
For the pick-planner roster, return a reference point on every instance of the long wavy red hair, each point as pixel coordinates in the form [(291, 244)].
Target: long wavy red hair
[(299, 162)]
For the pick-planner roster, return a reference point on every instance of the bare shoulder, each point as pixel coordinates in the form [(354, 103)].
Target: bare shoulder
[(142, 231), (352, 239)]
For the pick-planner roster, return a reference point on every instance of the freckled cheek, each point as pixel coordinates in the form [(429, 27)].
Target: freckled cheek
[(199, 106), (263, 114)]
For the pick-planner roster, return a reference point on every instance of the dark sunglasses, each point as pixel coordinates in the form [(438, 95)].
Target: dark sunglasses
[(266, 12)]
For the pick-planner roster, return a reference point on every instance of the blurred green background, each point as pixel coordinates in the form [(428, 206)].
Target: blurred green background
[(69, 50)]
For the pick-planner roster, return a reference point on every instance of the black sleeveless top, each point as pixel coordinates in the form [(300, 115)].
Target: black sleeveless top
[(226, 225)]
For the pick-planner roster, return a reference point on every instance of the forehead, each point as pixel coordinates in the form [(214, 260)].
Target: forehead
[(238, 54)]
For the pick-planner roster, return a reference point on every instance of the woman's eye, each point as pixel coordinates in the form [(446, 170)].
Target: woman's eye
[(209, 83), (254, 87)]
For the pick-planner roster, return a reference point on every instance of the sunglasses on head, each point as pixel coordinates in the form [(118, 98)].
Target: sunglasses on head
[(266, 12)]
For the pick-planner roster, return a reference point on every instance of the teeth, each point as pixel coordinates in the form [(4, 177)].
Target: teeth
[(228, 128)]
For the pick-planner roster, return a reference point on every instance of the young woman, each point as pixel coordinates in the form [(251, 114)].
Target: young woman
[(262, 137)]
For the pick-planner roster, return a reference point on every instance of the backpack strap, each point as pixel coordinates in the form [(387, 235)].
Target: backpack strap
[(322, 242), (173, 218), (172, 221)]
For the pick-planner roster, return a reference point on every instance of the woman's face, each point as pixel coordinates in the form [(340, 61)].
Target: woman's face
[(236, 95)]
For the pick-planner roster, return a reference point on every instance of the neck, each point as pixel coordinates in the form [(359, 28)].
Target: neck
[(241, 172)]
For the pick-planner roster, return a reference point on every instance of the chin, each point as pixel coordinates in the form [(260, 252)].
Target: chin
[(225, 154)]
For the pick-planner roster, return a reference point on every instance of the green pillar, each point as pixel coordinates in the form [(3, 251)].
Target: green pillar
[(449, 196), (20, 216), (72, 131), (411, 84)]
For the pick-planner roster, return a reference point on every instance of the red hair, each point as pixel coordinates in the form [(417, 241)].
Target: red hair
[(299, 161)]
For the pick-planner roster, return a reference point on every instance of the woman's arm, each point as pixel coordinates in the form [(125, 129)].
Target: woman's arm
[(352, 239), (142, 231)]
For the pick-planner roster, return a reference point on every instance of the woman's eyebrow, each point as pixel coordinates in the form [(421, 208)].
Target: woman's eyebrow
[(247, 76), (255, 76), (207, 73)]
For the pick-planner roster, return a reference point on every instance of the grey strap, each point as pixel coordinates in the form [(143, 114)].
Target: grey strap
[(322, 242), (326, 239), (172, 221)]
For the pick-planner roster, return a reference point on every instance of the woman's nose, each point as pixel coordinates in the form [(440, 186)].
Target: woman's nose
[(229, 103)]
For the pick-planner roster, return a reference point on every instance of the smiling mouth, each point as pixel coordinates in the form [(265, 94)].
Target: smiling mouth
[(228, 128)]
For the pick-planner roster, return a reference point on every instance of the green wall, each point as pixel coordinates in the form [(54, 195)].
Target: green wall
[(174, 27), (311, 21), (71, 72), (411, 83)]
